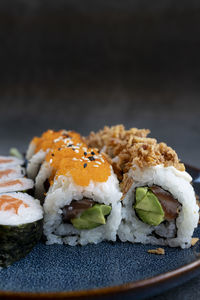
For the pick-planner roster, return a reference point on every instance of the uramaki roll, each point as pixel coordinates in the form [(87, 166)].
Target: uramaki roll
[(159, 203), (159, 208), (83, 203)]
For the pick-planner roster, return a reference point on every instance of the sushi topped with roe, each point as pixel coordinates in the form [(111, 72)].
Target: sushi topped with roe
[(81, 196), (39, 147)]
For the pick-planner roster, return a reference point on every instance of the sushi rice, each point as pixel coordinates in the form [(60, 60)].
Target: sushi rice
[(29, 210)]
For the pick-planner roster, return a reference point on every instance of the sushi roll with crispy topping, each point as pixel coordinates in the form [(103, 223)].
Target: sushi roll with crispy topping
[(82, 204), (20, 226), (159, 204)]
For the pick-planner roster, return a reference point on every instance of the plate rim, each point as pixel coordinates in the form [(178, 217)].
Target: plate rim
[(127, 287), (109, 291)]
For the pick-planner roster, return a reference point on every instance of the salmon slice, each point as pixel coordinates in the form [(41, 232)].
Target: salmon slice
[(11, 203), (5, 161), (10, 183), (6, 172)]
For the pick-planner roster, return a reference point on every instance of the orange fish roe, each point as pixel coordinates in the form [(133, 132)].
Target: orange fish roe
[(10, 183), (6, 172), (81, 163), (51, 139), (11, 203)]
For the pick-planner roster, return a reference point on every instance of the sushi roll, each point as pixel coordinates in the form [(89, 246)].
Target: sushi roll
[(40, 146), (16, 184), (9, 161), (82, 204), (20, 226), (12, 172), (159, 205)]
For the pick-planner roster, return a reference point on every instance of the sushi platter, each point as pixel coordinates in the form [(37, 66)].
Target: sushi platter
[(107, 212)]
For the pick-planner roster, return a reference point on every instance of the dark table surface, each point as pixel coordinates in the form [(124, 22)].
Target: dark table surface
[(65, 64)]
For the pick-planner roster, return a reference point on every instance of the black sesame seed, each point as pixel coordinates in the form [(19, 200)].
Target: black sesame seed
[(84, 166), (92, 153), (59, 149), (70, 145), (91, 158), (73, 149), (85, 153), (52, 154)]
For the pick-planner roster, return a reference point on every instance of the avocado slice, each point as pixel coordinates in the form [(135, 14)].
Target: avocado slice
[(148, 207), (150, 217), (92, 217)]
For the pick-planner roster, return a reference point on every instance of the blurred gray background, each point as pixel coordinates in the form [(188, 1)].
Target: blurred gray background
[(85, 64)]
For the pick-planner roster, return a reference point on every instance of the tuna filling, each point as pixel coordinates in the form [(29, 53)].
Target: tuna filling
[(76, 208), (169, 204), (85, 213), (154, 205)]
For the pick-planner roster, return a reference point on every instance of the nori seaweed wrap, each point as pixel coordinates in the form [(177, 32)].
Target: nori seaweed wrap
[(21, 221)]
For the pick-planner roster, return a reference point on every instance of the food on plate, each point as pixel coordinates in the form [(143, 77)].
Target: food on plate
[(20, 226), (159, 251), (158, 204), (20, 214), (82, 204), (115, 182)]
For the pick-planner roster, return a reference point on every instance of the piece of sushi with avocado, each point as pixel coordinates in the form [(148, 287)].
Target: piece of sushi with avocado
[(21, 222)]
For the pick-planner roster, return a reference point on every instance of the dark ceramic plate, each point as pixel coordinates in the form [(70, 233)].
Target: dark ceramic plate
[(107, 270)]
